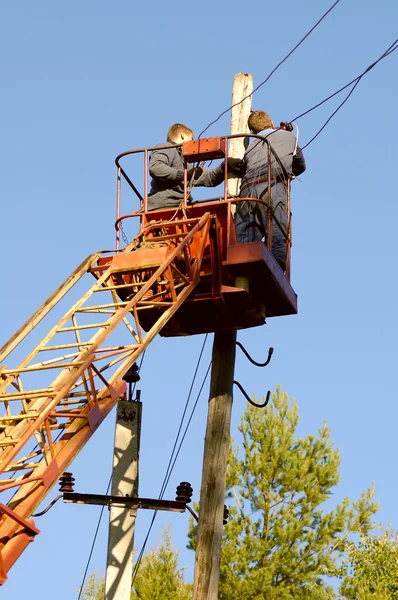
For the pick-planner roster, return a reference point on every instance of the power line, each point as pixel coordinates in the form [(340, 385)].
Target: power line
[(167, 477), (168, 474), (138, 563), (331, 116), (389, 50), (189, 421), (273, 70), (93, 542), (354, 84)]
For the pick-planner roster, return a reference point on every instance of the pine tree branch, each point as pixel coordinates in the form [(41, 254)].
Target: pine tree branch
[(238, 502)]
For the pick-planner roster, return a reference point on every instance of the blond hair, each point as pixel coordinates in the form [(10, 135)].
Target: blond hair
[(175, 131), (259, 120)]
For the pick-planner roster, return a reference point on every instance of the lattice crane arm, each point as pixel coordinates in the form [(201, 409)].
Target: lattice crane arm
[(43, 428)]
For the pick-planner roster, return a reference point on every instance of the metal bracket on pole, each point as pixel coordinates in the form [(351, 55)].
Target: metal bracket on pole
[(124, 501), (184, 494), (254, 362), (246, 395)]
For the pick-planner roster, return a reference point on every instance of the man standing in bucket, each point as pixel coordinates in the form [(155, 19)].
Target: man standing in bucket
[(287, 161), (166, 167)]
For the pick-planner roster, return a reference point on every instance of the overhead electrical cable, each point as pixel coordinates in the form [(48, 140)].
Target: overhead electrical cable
[(93, 542), (386, 53), (273, 70), (354, 84), (167, 478), (189, 422)]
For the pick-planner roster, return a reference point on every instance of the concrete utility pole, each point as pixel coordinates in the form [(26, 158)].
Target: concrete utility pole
[(217, 440), (124, 483)]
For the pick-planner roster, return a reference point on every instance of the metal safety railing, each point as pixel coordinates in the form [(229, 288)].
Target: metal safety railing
[(272, 160)]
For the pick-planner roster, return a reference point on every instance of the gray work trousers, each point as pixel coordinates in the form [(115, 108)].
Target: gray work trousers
[(251, 222)]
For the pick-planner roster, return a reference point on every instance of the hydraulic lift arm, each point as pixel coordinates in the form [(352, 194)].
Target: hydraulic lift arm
[(47, 420)]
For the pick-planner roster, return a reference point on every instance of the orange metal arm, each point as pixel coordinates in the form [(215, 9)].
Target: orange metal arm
[(63, 414)]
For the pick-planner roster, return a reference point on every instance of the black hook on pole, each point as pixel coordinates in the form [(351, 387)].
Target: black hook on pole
[(270, 353), (263, 405)]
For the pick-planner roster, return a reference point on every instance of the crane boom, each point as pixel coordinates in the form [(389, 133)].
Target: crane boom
[(43, 428)]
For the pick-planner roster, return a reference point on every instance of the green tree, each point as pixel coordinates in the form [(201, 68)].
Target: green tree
[(158, 578), (94, 589), (370, 570), (280, 542)]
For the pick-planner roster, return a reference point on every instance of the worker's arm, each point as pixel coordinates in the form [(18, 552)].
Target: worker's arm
[(214, 177), (160, 166), (298, 163)]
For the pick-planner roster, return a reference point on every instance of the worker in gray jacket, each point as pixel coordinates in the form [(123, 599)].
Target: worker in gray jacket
[(287, 161), (166, 167)]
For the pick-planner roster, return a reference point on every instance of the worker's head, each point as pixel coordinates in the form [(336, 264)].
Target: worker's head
[(258, 121), (179, 133)]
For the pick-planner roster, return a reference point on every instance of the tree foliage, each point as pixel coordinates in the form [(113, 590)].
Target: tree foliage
[(94, 589), (159, 577), (280, 542), (370, 570), (285, 539)]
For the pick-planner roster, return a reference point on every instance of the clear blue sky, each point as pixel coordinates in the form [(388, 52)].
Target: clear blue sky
[(83, 81)]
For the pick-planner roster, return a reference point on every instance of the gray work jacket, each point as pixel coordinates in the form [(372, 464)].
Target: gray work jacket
[(284, 164), (255, 160), (166, 167)]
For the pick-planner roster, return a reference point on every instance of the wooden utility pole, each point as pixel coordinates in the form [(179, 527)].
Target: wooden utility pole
[(242, 87), (217, 440), (124, 483)]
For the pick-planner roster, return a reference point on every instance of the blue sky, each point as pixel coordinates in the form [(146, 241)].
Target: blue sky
[(84, 81)]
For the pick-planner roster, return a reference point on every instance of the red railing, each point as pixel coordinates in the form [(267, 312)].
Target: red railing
[(143, 198)]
